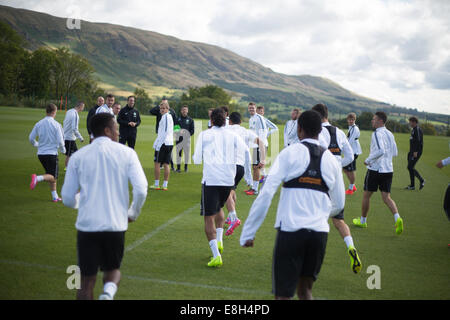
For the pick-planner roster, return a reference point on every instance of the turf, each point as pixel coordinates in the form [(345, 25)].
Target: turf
[(166, 248)]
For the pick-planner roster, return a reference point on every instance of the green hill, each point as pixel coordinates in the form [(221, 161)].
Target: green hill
[(125, 58)]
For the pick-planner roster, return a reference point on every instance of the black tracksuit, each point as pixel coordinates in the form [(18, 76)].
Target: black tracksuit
[(127, 134), (415, 145)]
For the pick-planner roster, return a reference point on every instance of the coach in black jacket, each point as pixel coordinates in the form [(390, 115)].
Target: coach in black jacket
[(415, 151), (128, 119)]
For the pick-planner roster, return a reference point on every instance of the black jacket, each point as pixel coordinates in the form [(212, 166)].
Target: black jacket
[(186, 123), (416, 140), (91, 113), (125, 116), (155, 111)]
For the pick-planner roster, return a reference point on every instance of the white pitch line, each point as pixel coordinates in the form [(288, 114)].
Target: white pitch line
[(158, 229), (140, 278)]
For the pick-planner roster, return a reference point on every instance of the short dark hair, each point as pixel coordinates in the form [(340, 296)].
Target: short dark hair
[(235, 117), (131, 97), (185, 106), (50, 108), (110, 96), (414, 119), (321, 109), (310, 122), (381, 115), (259, 107), (218, 117), (100, 122)]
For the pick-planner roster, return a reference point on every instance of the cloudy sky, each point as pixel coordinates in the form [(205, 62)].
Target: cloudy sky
[(394, 51)]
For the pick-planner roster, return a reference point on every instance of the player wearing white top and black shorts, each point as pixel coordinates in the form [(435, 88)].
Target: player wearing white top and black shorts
[(103, 218), (313, 190), (51, 139), (217, 148), (380, 171)]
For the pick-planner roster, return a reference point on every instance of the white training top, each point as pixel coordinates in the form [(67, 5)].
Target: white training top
[(298, 208), (353, 139), (257, 123), (165, 132), (101, 172), (446, 161), (218, 149), (346, 149), (70, 126), (382, 149), (290, 133), (50, 135)]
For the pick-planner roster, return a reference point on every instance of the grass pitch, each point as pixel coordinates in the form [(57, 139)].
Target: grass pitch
[(167, 251)]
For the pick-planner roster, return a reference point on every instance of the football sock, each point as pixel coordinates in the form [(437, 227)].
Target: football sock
[(350, 186), (363, 219), (232, 215), (214, 248), (55, 194), (156, 183), (165, 183), (39, 178), (255, 185), (348, 241), (110, 288), (219, 234), (396, 216)]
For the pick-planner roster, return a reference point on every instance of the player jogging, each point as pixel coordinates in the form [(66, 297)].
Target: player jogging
[(313, 190), (51, 140)]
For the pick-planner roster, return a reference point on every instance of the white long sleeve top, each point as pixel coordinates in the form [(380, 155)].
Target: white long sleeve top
[(70, 125), (51, 138), (165, 132), (218, 149), (101, 172), (382, 149), (353, 139), (298, 208)]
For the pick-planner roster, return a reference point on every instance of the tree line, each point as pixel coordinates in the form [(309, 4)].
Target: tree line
[(43, 75)]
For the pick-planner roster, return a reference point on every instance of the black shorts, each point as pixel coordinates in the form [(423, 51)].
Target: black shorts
[(102, 250), (256, 156), (351, 166), (375, 180), (240, 171), (50, 164), (296, 254), (164, 155), (213, 199), (71, 147)]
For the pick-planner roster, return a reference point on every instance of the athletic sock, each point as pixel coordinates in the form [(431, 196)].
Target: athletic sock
[(396, 216), (363, 219), (156, 183), (348, 241), (165, 183), (110, 288), (219, 234), (214, 248), (55, 194), (350, 186), (232, 215), (39, 178), (255, 185)]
